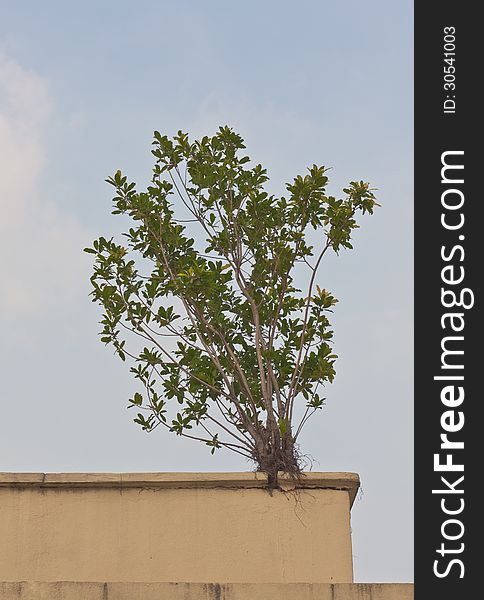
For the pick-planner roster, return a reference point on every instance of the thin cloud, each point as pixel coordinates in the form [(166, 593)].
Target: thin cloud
[(39, 242)]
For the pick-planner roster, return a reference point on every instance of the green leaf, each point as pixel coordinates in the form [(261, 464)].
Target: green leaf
[(283, 426)]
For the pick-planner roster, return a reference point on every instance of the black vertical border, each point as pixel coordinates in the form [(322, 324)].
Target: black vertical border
[(435, 133)]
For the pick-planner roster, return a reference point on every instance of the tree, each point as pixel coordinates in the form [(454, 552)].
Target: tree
[(229, 345)]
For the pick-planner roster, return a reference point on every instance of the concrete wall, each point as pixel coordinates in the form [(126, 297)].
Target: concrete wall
[(174, 527), (197, 591)]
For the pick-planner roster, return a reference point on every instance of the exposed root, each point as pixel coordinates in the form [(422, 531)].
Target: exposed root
[(281, 458)]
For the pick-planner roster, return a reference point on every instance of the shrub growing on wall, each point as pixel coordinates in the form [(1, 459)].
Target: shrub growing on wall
[(230, 345)]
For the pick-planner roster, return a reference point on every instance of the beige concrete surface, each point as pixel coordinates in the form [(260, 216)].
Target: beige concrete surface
[(175, 527), (203, 591)]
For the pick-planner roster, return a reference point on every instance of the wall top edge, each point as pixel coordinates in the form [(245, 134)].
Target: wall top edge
[(349, 482)]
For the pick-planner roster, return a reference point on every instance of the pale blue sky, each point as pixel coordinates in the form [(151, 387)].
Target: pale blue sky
[(82, 87)]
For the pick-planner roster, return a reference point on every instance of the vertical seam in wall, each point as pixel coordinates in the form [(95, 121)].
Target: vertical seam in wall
[(105, 591), (352, 565), (332, 591)]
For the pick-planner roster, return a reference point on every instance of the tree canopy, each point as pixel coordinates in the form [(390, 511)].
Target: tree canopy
[(228, 344)]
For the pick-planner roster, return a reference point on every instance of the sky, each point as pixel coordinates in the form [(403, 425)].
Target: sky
[(82, 87)]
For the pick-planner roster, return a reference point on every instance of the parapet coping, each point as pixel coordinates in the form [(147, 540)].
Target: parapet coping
[(349, 482)]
